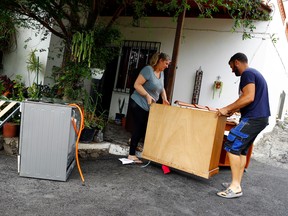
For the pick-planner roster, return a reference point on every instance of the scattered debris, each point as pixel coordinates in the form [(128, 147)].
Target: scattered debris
[(126, 161)]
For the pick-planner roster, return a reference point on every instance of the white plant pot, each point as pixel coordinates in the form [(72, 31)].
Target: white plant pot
[(97, 73)]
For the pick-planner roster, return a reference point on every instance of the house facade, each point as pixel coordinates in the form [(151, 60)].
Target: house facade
[(206, 45)]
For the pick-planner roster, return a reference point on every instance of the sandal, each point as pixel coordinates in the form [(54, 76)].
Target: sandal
[(225, 185), (229, 194), (134, 159), (139, 148)]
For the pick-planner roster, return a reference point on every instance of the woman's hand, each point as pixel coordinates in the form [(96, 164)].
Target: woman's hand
[(149, 99), (165, 102), (164, 98)]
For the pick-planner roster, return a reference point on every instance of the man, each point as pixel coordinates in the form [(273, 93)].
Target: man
[(253, 104)]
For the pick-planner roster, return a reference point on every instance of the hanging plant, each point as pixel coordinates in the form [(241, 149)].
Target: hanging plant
[(82, 44), (97, 46), (218, 85)]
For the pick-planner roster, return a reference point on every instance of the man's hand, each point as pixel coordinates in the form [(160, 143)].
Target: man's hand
[(224, 112)]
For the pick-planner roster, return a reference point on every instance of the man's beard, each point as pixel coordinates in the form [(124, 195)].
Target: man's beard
[(236, 71)]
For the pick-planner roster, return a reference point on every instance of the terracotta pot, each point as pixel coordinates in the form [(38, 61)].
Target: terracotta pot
[(123, 122), (11, 130)]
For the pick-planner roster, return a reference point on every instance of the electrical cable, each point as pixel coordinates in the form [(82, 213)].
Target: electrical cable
[(78, 132), (143, 166)]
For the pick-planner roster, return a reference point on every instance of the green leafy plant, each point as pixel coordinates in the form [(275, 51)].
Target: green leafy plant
[(82, 44), (2, 88), (18, 89), (33, 92), (96, 46), (16, 92), (34, 66), (69, 80), (7, 85), (92, 117), (16, 118), (101, 121)]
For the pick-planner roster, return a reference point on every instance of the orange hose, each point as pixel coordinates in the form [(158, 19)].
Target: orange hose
[(78, 132), (74, 126)]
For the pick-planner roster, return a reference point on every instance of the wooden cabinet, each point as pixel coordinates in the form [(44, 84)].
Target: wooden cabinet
[(224, 160), (184, 138)]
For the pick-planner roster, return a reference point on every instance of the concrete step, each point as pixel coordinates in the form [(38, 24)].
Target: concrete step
[(85, 150), (94, 150)]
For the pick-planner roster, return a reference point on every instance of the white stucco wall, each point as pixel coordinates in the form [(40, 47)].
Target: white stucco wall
[(15, 62), (209, 43), (55, 58), (114, 106)]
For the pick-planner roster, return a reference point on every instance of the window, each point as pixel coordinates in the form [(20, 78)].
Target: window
[(134, 55)]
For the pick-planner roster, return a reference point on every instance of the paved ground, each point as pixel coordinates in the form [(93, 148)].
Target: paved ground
[(115, 189)]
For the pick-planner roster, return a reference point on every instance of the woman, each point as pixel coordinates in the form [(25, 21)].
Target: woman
[(149, 85)]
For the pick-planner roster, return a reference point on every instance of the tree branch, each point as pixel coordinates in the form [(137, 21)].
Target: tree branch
[(116, 15), (93, 14)]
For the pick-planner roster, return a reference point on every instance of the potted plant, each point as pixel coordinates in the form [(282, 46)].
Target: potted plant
[(100, 125), (11, 128), (119, 116), (217, 86), (94, 121)]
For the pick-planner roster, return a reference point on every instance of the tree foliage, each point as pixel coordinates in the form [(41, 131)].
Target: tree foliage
[(66, 17), (243, 12), (7, 31)]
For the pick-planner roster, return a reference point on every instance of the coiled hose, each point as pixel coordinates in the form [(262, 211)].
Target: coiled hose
[(78, 132)]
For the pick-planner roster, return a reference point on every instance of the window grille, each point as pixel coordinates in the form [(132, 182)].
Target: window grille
[(134, 55)]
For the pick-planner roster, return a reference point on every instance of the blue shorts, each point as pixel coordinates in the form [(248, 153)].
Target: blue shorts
[(242, 136)]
